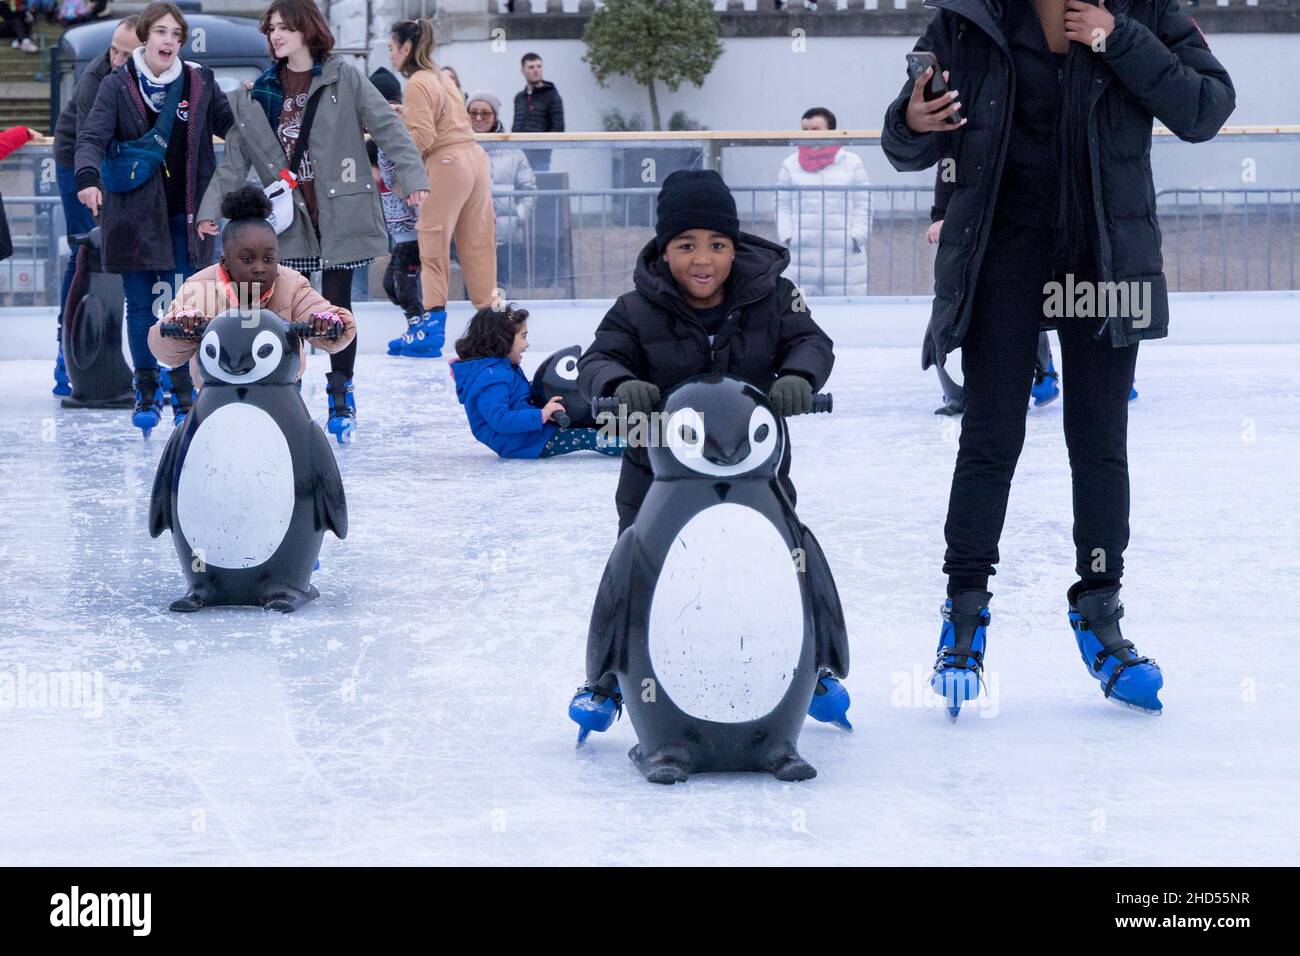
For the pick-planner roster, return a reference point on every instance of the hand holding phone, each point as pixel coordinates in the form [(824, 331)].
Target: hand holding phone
[(932, 107)]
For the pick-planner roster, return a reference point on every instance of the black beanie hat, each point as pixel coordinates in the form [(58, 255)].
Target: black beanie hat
[(388, 85), (695, 199)]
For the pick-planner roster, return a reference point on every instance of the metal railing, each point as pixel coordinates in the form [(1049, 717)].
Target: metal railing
[(583, 243)]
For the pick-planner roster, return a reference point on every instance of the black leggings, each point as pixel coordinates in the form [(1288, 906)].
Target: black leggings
[(336, 287), (997, 361)]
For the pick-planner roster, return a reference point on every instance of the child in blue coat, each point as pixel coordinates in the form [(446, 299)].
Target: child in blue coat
[(495, 392)]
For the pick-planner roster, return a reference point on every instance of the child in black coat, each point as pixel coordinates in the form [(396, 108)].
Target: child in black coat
[(707, 298)]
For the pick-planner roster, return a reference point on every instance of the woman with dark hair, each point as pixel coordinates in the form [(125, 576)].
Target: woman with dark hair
[(1048, 121), (336, 223), (826, 230), (460, 200), (146, 207)]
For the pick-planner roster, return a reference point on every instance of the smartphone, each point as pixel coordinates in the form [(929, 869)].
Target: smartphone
[(917, 63)]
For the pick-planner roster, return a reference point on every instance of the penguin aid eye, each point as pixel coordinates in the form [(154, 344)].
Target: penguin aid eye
[(760, 433), (688, 435), (211, 350), (265, 350)]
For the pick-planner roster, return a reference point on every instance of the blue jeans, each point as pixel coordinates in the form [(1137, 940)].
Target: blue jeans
[(77, 219), (150, 291)]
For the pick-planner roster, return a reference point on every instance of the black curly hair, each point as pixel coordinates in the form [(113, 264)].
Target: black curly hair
[(245, 207), (491, 332)]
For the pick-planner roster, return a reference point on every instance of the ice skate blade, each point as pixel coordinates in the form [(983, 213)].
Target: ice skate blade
[(1153, 712), (583, 734)]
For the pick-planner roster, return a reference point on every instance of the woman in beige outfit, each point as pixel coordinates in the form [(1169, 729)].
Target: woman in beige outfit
[(460, 187)]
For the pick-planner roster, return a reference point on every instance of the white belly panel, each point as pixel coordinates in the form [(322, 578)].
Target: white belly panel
[(726, 618), (235, 498)]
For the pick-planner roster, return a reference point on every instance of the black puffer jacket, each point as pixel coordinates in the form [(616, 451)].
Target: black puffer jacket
[(653, 335), (538, 110), (1156, 64), (72, 115)]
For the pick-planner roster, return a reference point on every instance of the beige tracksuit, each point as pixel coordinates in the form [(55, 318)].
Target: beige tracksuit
[(460, 192)]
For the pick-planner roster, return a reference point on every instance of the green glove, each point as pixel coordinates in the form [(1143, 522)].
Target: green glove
[(791, 395), (638, 396)]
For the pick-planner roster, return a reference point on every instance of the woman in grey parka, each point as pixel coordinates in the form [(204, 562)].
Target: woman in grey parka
[(338, 222)]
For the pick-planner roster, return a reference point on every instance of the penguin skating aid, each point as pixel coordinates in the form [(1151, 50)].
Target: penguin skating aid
[(248, 484), (717, 608)]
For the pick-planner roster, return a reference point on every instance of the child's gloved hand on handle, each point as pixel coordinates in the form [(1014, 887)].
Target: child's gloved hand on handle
[(791, 395)]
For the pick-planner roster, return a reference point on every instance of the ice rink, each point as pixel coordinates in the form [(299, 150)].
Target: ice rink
[(416, 712)]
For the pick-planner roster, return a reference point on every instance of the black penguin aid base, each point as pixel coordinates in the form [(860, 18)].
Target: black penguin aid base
[(717, 608), (248, 486)]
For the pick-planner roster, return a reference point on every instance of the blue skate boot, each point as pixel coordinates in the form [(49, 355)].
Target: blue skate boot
[(342, 406), (1045, 390), (1126, 676), (148, 400), (1132, 393), (595, 707), (61, 384), (426, 342), (959, 667), (396, 345), (830, 701)]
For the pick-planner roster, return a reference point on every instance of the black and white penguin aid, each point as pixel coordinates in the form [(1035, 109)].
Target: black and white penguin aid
[(92, 332), (248, 485), (717, 607), (557, 376)]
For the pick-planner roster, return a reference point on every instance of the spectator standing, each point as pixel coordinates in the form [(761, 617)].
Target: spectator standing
[(826, 230), (538, 109)]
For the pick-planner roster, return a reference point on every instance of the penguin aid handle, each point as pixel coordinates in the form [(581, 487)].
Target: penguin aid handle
[(175, 330), (822, 402), (305, 330)]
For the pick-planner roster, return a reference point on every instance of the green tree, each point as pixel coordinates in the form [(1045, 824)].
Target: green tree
[(653, 41)]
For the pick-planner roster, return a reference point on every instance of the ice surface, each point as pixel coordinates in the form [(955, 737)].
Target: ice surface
[(415, 713)]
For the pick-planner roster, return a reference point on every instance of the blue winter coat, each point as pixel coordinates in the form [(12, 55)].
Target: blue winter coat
[(495, 394)]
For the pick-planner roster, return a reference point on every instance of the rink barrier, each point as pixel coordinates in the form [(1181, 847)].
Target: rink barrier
[(582, 243)]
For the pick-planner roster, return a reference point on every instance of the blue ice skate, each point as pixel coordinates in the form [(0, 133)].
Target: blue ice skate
[(594, 708), (830, 701), (1126, 676), (959, 666)]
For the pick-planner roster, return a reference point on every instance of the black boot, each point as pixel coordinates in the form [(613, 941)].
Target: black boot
[(148, 400), (182, 394), (342, 406)]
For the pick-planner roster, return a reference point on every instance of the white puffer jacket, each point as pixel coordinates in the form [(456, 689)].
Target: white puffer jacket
[(510, 170), (826, 232)]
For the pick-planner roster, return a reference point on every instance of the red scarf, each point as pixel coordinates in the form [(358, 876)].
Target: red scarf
[(815, 158)]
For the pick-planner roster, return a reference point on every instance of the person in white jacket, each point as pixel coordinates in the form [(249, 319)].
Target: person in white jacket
[(825, 230), (510, 171)]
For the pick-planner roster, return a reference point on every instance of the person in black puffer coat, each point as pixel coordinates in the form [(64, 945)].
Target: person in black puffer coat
[(708, 298), (746, 320), (1053, 200)]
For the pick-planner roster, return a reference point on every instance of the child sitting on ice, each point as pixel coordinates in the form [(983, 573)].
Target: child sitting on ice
[(248, 276), (495, 392)]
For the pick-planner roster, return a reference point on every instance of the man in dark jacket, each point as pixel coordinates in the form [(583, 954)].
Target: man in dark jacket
[(76, 217), (657, 336), (538, 109)]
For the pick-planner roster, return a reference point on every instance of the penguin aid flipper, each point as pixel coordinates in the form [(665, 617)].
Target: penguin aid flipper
[(250, 486)]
